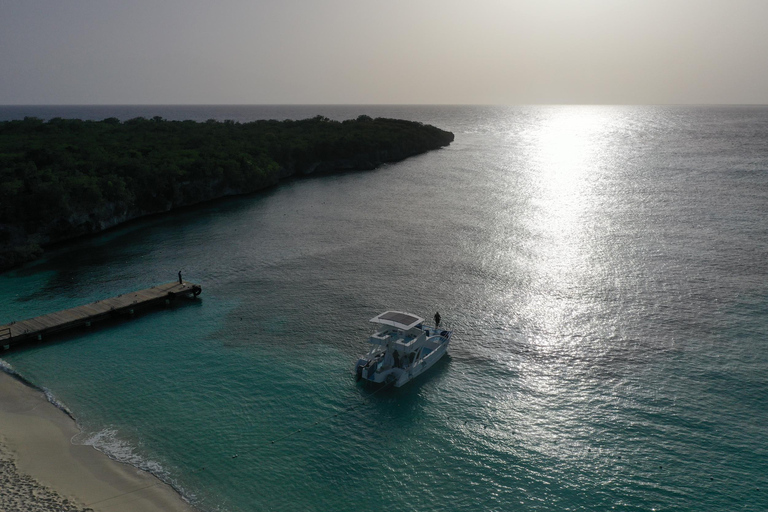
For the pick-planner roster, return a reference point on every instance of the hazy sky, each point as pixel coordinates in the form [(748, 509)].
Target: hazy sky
[(376, 51)]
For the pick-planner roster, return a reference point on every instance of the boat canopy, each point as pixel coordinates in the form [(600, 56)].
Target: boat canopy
[(398, 319)]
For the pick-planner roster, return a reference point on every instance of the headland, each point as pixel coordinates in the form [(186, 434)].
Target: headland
[(66, 178)]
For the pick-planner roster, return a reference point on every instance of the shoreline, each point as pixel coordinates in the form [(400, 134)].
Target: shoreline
[(41, 469), (232, 159)]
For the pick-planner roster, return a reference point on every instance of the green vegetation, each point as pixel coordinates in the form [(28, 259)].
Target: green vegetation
[(67, 177)]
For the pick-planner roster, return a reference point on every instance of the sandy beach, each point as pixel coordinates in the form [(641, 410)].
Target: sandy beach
[(41, 470)]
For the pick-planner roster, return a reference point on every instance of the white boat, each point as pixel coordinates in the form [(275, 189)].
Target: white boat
[(404, 347)]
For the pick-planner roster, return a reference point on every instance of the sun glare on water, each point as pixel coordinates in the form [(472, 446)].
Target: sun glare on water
[(569, 155), (568, 159)]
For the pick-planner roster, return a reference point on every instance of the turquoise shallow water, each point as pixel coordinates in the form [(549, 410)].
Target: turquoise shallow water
[(603, 269)]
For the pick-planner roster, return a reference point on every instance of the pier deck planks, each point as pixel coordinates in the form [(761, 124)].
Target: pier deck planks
[(33, 328)]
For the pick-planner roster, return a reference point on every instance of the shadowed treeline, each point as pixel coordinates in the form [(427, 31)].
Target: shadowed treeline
[(66, 177)]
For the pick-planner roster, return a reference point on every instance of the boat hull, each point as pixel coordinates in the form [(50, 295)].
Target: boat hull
[(423, 365), (371, 371)]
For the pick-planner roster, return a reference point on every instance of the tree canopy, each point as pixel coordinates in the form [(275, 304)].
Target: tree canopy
[(66, 177)]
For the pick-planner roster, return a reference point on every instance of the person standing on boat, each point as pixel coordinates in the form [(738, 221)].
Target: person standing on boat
[(437, 319), (180, 282)]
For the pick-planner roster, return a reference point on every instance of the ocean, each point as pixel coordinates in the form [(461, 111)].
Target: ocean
[(604, 269)]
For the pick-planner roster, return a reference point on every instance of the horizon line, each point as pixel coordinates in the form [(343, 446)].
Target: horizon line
[(6, 105)]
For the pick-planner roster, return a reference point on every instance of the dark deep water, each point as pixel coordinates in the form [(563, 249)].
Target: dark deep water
[(604, 270)]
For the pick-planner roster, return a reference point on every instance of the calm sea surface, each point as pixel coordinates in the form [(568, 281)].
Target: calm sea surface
[(605, 270)]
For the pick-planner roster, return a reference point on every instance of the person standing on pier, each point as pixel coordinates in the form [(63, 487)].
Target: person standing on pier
[(180, 282)]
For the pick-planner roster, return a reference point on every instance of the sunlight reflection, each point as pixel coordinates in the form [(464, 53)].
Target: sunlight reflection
[(568, 157), (566, 150)]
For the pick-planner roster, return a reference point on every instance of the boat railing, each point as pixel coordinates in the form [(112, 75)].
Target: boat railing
[(442, 331), (380, 338)]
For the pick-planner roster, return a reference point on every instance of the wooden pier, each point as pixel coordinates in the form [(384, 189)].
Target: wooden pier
[(127, 304)]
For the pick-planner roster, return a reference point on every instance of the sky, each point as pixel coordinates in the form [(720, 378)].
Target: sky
[(500, 52)]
